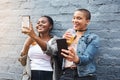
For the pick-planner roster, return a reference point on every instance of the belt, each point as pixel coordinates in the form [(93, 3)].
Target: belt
[(72, 68)]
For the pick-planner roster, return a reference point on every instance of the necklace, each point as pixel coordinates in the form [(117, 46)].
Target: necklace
[(82, 30)]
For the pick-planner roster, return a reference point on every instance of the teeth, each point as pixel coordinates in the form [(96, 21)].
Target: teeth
[(40, 26), (75, 25)]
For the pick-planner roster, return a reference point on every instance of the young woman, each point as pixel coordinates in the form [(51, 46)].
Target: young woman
[(36, 47), (79, 58)]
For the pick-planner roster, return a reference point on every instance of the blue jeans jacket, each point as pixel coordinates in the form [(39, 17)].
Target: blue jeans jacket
[(86, 50)]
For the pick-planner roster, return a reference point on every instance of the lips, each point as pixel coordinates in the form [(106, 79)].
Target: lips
[(75, 25), (40, 27)]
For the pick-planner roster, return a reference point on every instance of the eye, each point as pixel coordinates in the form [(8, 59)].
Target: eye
[(38, 22), (79, 18), (73, 17), (43, 22)]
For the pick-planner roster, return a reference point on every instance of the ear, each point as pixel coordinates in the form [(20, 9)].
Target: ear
[(50, 27), (88, 21)]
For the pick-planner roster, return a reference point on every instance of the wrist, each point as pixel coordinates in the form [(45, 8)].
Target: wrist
[(22, 53), (33, 36), (76, 60)]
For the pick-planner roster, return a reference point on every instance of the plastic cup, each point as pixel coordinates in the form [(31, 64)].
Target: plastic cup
[(72, 31)]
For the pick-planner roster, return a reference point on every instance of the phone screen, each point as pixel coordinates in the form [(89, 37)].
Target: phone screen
[(61, 44), (25, 21)]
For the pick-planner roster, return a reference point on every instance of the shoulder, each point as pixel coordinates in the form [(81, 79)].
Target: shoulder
[(93, 35), (53, 39), (90, 36), (94, 39)]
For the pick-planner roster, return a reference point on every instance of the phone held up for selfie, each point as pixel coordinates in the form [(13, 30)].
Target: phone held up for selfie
[(25, 21)]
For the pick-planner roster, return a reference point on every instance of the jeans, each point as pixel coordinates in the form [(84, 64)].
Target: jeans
[(71, 74), (41, 75)]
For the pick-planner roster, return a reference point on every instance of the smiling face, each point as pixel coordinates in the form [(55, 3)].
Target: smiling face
[(80, 20), (43, 25)]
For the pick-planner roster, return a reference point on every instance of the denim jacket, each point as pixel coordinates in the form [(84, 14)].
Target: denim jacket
[(86, 50)]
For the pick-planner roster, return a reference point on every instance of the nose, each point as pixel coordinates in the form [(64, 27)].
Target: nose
[(74, 20), (37, 25)]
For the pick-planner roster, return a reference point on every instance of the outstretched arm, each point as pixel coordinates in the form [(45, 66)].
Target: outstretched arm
[(30, 32)]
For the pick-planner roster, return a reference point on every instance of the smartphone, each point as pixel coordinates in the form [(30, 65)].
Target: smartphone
[(25, 21), (61, 44)]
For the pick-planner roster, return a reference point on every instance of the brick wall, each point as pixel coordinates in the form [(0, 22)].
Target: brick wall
[(105, 22)]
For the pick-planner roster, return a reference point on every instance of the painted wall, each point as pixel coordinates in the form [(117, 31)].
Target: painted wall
[(105, 22)]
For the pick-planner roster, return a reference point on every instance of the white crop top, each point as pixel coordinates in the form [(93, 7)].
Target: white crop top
[(39, 60)]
